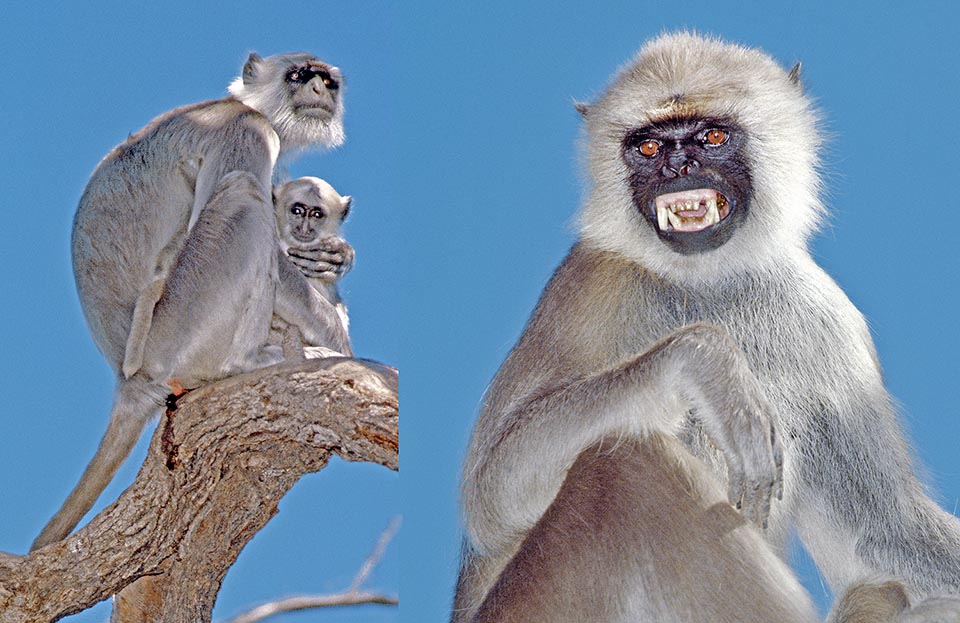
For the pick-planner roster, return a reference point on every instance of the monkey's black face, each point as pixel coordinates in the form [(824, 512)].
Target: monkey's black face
[(315, 88), (304, 222), (689, 180)]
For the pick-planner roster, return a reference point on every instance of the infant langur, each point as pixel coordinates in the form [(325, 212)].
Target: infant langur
[(309, 215)]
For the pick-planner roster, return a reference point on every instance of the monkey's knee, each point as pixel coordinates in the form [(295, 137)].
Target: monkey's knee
[(871, 603)]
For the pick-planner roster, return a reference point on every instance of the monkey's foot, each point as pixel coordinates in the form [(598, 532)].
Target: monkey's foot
[(177, 390)]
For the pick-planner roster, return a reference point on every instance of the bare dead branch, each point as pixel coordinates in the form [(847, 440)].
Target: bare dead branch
[(304, 603), (215, 471), (374, 558), (351, 597)]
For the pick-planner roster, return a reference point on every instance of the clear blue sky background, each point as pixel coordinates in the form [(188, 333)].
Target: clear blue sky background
[(461, 154), (76, 79)]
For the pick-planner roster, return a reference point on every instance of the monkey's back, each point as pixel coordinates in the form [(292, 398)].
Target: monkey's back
[(139, 199)]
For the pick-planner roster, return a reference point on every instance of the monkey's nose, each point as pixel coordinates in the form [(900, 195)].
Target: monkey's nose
[(679, 169), (689, 167)]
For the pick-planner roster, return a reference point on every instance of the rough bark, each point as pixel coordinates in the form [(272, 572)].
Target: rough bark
[(216, 469)]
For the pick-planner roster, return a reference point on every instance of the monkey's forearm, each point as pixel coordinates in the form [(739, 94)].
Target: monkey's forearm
[(518, 461), (299, 304), (882, 522)]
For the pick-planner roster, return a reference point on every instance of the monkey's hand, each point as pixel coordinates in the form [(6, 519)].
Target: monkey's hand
[(329, 260), (730, 404)]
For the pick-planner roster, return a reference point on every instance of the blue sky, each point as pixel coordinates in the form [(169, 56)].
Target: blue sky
[(462, 158), (76, 80)]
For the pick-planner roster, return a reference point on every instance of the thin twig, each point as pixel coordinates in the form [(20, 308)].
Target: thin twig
[(385, 537), (351, 597)]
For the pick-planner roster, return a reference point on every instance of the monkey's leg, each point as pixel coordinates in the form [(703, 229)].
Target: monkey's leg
[(213, 318), (888, 602), (300, 305), (874, 602), (641, 531), (135, 403)]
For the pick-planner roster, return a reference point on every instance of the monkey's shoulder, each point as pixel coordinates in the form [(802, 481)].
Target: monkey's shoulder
[(195, 128), (581, 318)]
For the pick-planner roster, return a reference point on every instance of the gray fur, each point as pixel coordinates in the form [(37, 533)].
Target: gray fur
[(877, 601), (315, 245), (781, 344), (176, 257)]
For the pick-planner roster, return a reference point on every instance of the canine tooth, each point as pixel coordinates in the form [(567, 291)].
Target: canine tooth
[(713, 214), (675, 220), (663, 220)]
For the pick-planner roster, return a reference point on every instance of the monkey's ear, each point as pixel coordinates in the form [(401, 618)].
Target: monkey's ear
[(795, 75), (583, 109), (249, 69), (346, 202)]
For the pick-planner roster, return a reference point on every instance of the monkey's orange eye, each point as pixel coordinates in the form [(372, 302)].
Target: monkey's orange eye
[(649, 148), (716, 137)]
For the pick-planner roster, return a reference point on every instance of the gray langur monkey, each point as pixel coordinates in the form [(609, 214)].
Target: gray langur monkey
[(175, 250), (690, 309), (310, 213)]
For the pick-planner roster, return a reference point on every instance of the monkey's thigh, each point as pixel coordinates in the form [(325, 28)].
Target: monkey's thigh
[(214, 315), (640, 531)]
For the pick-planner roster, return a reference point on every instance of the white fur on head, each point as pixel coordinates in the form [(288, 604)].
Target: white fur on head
[(683, 74), (263, 88)]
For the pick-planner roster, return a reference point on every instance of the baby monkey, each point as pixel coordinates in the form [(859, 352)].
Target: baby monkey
[(309, 214)]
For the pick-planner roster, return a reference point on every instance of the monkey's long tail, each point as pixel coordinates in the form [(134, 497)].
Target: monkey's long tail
[(136, 402)]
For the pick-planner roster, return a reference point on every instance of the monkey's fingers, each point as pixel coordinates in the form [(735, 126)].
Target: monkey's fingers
[(777, 461), (735, 485)]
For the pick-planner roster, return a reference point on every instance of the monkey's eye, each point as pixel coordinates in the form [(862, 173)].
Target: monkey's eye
[(316, 214), (298, 209), (715, 137), (649, 147), (329, 81)]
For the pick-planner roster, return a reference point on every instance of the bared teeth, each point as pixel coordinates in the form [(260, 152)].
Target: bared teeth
[(675, 220), (713, 215), (663, 221), (690, 210)]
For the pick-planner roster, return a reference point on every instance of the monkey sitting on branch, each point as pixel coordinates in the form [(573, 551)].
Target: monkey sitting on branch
[(690, 309), (175, 250)]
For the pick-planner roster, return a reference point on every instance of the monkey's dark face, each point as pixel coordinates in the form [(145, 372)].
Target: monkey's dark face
[(306, 223), (308, 209), (689, 179), (314, 89)]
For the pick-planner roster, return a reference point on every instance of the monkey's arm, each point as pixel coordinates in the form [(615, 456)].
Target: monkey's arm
[(862, 511), (300, 305), (329, 260), (518, 458)]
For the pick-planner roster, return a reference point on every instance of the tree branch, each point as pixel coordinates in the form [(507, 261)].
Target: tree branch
[(351, 597), (215, 471)]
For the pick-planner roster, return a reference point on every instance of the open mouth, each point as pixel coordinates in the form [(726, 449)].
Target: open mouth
[(691, 210)]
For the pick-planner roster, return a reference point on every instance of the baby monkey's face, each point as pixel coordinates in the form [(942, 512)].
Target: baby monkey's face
[(309, 209)]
